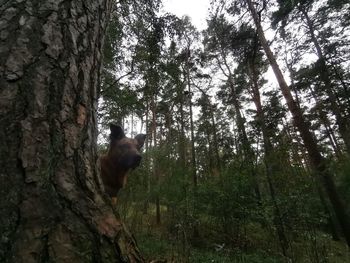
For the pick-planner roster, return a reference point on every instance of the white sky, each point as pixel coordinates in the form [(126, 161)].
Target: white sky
[(196, 9)]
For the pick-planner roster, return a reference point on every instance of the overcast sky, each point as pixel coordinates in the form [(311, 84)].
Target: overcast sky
[(196, 9)]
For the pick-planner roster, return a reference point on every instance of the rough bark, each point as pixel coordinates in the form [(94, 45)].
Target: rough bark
[(52, 206), (316, 159)]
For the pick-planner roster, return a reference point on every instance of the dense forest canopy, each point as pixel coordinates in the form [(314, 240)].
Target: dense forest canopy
[(248, 128)]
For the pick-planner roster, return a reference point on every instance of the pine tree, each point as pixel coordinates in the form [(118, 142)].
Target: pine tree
[(315, 156), (52, 202)]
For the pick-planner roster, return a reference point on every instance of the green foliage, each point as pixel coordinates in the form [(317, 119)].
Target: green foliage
[(286, 7), (343, 178), (153, 247), (255, 187), (227, 199)]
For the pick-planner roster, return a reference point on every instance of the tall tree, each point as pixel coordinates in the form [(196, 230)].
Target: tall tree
[(255, 65), (315, 156), (52, 202), (304, 9), (220, 45)]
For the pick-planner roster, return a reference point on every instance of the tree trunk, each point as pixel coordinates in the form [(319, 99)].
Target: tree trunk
[(52, 206), (327, 125), (343, 122), (218, 167), (193, 151), (155, 166), (323, 116), (242, 134), (193, 169), (269, 159), (147, 159), (308, 138)]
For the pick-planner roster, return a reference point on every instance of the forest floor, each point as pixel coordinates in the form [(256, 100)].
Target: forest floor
[(173, 243)]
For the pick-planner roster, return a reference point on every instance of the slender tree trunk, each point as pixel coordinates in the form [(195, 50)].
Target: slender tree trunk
[(147, 161), (52, 206), (268, 159), (300, 158), (343, 122), (247, 150), (211, 164), (215, 139), (323, 117), (326, 123), (216, 167), (132, 124), (345, 86), (330, 216), (193, 150), (155, 167), (182, 139), (308, 138)]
